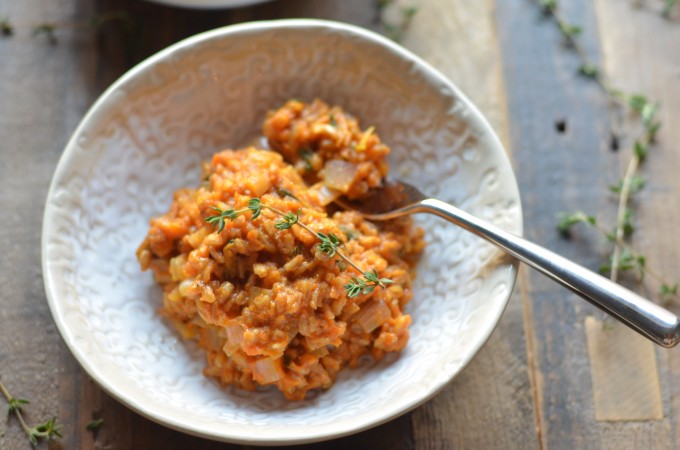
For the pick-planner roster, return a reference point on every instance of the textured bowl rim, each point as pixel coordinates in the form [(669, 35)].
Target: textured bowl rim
[(160, 417), (208, 4)]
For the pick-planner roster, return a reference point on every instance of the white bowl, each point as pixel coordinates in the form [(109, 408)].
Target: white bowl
[(209, 4), (145, 137)]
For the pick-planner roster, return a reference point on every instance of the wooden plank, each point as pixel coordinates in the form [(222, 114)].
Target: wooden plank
[(42, 99), (489, 404), (624, 372), (648, 61), (563, 172)]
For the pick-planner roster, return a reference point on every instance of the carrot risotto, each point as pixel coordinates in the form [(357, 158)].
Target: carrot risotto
[(278, 286)]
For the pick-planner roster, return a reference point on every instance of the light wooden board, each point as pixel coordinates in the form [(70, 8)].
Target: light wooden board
[(648, 61)]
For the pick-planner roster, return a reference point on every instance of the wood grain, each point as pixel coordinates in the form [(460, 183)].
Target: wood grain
[(648, 61), (542, 88), (624, 373), (460, 40), (43, 98), (530, 385)]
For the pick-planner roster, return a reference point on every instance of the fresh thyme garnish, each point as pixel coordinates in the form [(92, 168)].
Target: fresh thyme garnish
[(253, 205), (286, 193), (668, 291), (627, 261), (351, 234), (287, 221), (623, 258), (329, 244), (94, 425), (636, 184), (219, 218), (306, 155), (395, 30), (365, 285), (45, 431), (6, 28), (569, 220), (668, 7), (47, 29)]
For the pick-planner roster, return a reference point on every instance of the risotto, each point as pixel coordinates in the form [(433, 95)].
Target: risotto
[(265, 301)]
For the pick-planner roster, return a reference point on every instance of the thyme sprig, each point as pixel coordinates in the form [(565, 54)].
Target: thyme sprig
[(45, 431), (219, 219), (668, 7), (645, 112), (329, 244), (395, 30), (94, 424), (365, 285), (49, 28), (628, 259), (6, 27)]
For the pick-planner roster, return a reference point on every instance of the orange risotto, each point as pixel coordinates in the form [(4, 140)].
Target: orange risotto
[(267, 304)]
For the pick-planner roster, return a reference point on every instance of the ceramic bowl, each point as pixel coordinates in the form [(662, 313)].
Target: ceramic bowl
[(146, 136), (209, 4)]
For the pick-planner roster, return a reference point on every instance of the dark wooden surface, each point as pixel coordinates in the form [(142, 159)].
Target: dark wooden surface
[(530, 386)]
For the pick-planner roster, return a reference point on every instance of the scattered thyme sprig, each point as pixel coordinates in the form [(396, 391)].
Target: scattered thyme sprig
[(329, 244), (6, 27), (231, 214), (49, 29), (628, 259), (668, 7), (395, 30), (94, 424), (646, 112), (45, 431)]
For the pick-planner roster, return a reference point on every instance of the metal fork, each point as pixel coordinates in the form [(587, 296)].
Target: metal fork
[(396, 199)]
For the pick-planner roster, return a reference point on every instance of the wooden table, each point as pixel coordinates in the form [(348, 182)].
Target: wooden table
[(533, 385)]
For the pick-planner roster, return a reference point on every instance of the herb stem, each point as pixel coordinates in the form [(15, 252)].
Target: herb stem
[(668, 7), (25, 427), (306, 227), (643, 111), (48, 430), (624, 197), (328, 244), (16, 410), (5, 392)]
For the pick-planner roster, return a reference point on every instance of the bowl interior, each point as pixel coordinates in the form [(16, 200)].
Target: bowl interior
[(146, 136)]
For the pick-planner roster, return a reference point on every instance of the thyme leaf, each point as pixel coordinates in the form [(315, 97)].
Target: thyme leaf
[(287, 221), (44, 431), (94, 424), (219, 219)]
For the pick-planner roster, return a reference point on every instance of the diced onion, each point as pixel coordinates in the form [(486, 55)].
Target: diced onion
[(339, 174), (325, 194), (373, 315), (266, 371), (234, 339), (177, 268)]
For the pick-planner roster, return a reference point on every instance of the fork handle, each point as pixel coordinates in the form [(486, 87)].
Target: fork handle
[(643, 316)]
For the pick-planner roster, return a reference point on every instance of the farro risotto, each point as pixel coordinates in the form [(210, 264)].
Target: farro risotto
[(254, 287)]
